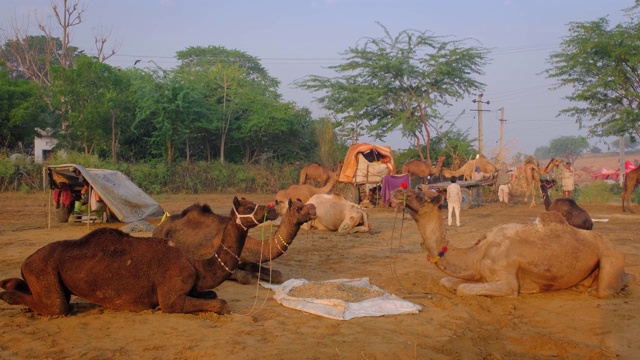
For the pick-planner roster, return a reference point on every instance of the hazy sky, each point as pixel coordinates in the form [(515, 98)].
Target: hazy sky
[(295, 38)]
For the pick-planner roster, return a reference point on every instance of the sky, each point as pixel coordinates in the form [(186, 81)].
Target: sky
[(296, 38)]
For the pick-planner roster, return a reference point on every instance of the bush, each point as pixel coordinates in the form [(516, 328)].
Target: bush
[(596, 193)]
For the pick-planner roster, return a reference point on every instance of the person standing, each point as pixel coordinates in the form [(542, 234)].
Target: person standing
[(567, 181), (478, 176), (454, 200), (503, 181)]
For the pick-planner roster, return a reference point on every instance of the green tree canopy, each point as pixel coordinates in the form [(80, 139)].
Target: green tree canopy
[(601, 66), (568, 148), (399, 82)]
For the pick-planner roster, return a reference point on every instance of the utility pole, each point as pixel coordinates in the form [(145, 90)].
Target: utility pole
[(622, 169), (502, 121), (480, 137)]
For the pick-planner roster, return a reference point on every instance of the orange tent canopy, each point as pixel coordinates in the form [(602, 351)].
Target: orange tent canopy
[(381, 153)]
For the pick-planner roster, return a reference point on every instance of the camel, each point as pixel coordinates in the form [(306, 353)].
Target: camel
[(569, 209), (514, 259), (423, 169), (117, 271), (532, 173), (257, 252), (318, 173), (303, 192), (468, 168), (628, 184), (335, 213)]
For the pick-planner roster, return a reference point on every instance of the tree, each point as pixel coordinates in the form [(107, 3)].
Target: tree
[(21, 110), (400, 82), (232, 83), (567, 147), (87, 97), (601, 66)]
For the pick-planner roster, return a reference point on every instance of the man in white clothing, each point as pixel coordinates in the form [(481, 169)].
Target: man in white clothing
[(454, 199)]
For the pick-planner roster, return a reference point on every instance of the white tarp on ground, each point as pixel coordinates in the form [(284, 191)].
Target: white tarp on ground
[(125, 200), (387, 304)]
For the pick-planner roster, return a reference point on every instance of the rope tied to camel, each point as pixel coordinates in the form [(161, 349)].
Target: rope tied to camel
[(252, 216), (284, 252)]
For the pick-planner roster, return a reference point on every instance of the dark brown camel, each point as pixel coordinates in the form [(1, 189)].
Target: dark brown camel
[(318, 173), (112, 269), (257, 252), (628, 184), (422, 168), (569, 209)]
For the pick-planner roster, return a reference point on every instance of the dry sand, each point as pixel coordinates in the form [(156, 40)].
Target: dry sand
[(563, 324)]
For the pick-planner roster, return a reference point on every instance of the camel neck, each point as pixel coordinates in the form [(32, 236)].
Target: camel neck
[(255, 251), (226, 257), (453, 261)]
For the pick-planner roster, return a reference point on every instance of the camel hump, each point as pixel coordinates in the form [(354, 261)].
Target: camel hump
[(202, 209), (551, 218)]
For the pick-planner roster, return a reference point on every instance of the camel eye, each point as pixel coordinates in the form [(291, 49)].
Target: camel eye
[(250, 210)]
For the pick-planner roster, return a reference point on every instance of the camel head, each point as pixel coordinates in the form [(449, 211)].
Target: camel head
[(303, 212), (416, 200), (249, 214)]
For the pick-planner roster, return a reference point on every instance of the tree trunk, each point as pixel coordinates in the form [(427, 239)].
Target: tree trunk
[(114, 154), (169, 153), (222, 141), (188, 152)]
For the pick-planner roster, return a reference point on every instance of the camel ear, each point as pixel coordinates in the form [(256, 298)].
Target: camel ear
[(291, 202), (236, 202)]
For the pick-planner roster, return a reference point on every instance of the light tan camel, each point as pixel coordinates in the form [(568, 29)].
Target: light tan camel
[(512, 259), (532, 173), (303, 192), (468, 168), (318, 173), (423, 169), (117, 271), (628, 184), (335, 213)]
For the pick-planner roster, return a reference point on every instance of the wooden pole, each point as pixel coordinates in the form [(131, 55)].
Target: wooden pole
[(502, 120), (622, 173), (480, 134)]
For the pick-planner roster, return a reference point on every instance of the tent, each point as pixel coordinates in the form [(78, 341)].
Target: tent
[(367, 164), (125, 200)]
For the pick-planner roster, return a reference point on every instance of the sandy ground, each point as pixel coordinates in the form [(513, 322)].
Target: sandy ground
[(563, 324)]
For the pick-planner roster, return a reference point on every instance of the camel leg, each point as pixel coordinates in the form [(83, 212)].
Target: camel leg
[(612, 278), (171, 303), (452, 283), (495, 288), (47, 297), (15, 284)]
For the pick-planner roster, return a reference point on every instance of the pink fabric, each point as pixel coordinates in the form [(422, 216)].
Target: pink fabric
[(390, 183)]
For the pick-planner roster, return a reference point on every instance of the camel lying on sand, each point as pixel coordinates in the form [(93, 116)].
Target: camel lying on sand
[(318, 173), (335, 213), (303, 192), (112, 269), (518, 258), (574, 214), (570, 211)]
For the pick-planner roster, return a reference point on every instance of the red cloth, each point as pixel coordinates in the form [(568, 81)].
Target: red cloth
[(63, 194)]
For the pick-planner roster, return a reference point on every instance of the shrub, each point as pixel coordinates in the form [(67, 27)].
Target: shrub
[(596, 193)]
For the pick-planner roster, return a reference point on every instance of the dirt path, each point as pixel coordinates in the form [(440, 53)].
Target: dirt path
[(562, 324)]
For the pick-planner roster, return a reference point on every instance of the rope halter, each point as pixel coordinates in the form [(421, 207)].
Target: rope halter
[(238, 216)]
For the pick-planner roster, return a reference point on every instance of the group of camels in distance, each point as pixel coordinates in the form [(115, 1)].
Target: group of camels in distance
[(532, 173)]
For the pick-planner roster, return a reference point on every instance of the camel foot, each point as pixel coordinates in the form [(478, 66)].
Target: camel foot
[(10, 297), (242, 276)]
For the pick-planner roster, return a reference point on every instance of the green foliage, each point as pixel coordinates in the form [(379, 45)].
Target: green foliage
[(600, 64), (398, 82), (566, 147), (597, 193)]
